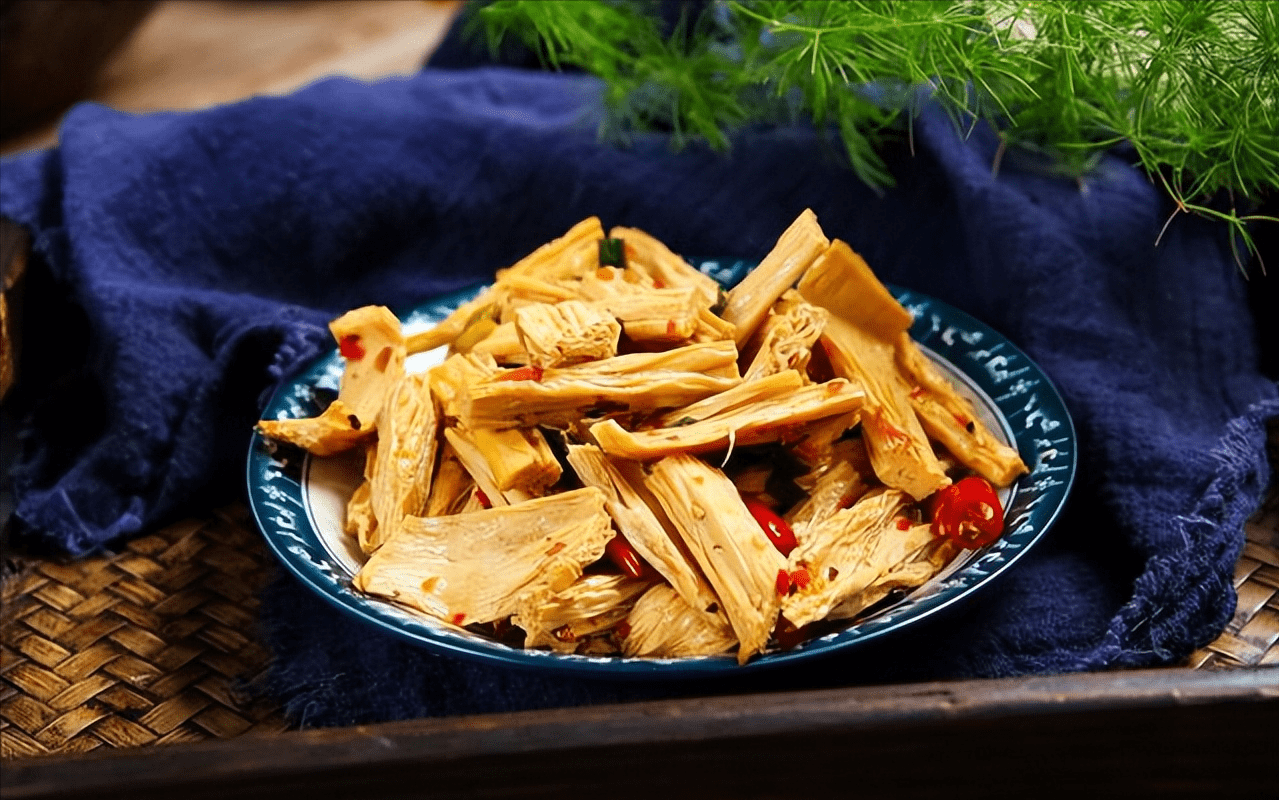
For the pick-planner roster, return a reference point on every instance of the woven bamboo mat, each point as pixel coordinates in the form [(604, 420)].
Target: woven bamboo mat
[(148, 646)]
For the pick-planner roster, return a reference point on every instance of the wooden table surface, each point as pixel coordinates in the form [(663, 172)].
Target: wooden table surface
[(189, 54)]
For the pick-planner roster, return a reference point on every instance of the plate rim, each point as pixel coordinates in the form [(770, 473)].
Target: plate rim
[(934, 319)]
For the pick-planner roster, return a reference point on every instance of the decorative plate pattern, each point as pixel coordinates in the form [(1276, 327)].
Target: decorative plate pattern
[(299, 501)]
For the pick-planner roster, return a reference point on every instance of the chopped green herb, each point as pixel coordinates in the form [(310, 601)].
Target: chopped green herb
[(612, 253), (1189, 85)]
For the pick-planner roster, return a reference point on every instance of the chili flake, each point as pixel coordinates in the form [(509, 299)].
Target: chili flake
[(892, 435), (350, 347)]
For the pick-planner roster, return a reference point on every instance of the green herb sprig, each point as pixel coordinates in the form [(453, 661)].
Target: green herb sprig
[(1192, 86)]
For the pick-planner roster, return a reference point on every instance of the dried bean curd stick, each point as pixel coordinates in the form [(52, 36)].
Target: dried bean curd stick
[(750, 300), (770, 420), (899, 449), (475, 568), (953, 421), (733, 552), (662, 623), (642, 528), (401, 479)]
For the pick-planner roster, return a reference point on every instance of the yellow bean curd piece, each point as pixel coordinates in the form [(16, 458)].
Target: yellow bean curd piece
[(850, 450), (951, 419), (449, 380), (451, 487), (646, 314), (372, 335), (478, 567), (715, 359), (519, 458), (333, 432), (463, 442), (837, 488), (775, 419), (360, 519), (820, 440), (663, 268), (849, 551), (503, 345), (899, 450), (841, 282), (743, 395), (785, 339), (569, 254), (407, 440), (916, 570), (730, 547), (659, 545), (566, 333), (517, 291), (713, 328), (590, 605), (750, 300), (638, 382), (663, 625)]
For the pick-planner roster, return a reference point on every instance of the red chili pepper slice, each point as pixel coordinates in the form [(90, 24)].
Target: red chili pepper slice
[(778, 532), (531, 373), (968, 513), (782, 582), (626, 557), (350, 347)]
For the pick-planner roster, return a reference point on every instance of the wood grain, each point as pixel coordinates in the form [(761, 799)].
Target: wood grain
[(1168, 733), (191, 54)]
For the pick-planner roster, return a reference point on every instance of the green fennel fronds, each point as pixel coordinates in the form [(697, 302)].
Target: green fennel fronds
[(1192, 87)]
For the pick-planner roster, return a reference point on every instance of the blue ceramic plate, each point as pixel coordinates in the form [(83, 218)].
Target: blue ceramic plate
[(300, 501)]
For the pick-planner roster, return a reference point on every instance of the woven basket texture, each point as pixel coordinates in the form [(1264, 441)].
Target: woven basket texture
[(147, 646), (151, 645)]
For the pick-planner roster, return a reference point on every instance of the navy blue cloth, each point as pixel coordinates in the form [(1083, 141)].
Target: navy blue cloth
[(200, 255)]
